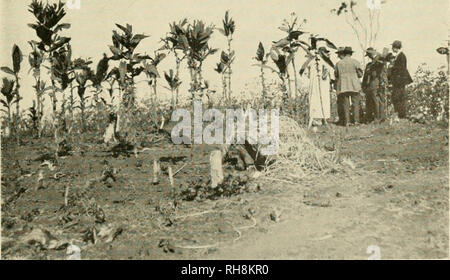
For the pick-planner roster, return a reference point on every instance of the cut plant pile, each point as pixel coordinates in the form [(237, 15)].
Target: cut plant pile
[(298, 156)]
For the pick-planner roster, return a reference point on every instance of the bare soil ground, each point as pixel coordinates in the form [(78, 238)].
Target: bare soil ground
[(396, 198)]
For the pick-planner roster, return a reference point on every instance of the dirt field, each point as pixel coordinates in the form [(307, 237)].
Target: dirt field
[(396, 197)]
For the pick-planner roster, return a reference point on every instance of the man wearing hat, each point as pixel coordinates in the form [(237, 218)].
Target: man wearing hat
[(348, 72), (373, 84), (340, 52), (399, 78)]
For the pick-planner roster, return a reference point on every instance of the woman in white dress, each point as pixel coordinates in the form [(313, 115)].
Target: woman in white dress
[(319, 89)]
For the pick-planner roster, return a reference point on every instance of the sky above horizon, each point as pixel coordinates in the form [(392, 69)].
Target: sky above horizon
[(422, 26)]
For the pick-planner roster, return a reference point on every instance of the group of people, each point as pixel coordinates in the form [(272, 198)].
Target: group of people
[(385, 70)]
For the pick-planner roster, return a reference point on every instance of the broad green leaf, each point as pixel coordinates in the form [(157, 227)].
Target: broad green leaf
[(116, 52), (17, 58), (260, 52), (224, 58), (330, 44), (222, 31), (137, 39), (102, 68), (62, 26), (327, 60), (7, 70), (443, 50), (4, 104), (305, 65), (151, 70), (33, 26), (273, 55), (289, 58), (295, 34), (281, 43), (124, 29)]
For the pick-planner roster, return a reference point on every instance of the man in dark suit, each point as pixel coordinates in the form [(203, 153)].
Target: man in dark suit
[(399, 78), (373, 84)]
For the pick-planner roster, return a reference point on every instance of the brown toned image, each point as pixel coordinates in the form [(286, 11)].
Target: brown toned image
[(224, 129)]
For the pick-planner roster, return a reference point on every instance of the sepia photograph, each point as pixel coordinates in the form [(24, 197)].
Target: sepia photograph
[(224, 130)]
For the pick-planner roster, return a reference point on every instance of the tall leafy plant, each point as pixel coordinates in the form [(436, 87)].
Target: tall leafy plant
[(130, 66), (228, 29), (7, 91), (47, 28), (76, 66), (151, 70), (174, 83), (33, 118), (175, 43), (196, 45), (97, 78), (17, 58), (291, 43), (220, 68), (62, 72), (81, 79), (35, 59), (261, 57)]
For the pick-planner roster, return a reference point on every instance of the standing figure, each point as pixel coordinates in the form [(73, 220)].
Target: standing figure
[(348, 72), (399, 78), (373, 86), (319, 89)]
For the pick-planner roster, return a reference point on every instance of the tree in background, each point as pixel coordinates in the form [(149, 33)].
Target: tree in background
[(366, 31)]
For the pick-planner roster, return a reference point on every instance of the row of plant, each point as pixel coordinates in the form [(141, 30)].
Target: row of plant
[(189, 42), (116, 72)]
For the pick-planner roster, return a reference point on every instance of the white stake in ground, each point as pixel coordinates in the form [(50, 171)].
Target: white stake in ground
[(156, 169), (66, 196), (172, 185), (215, 160)]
